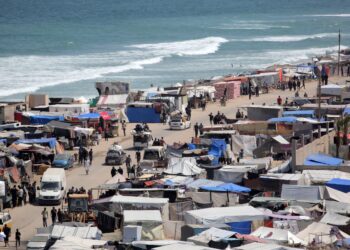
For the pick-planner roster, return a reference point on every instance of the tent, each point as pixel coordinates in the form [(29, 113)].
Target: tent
[(322, 160), (227, 187), (332, 89), (196, 184), (76, 243), (141, 202), (88, 232), (299, 113), (335, 219), (183, 166), (339, 184), (304, 193), (89, 116), (223, 215), (142, 216), (322, 176), (211, 234), (112, 100)]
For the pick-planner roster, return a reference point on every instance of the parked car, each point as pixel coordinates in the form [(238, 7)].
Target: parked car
[(64, 160)]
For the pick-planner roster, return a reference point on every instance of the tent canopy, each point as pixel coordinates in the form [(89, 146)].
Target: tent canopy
[(142, 216), (227, 187), (322, 160), (51, 141), (299, 113), (121, 199), (183, 166)]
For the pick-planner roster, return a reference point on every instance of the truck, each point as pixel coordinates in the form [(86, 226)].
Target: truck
[(154, 157), (179, 121), (53, 187)]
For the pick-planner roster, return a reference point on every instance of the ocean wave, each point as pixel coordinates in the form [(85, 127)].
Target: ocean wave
[(249, 25), (21, 74), (330, 15), (203, 46), (295, 38), (294, 56)]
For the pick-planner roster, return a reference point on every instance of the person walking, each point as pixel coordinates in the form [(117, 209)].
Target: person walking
[(20, 196), (106, 135), (120, 170), (53, 215), (18, 238), (87, 166), (257, 91), (124, 127), (211, 118), (128, 170), (201, 127), (14, 196), (196, 129), (138, 156), (44, 215), (7, 232), (128, 161), (60, 216), (91, 155), (279, 100), (113, 171)]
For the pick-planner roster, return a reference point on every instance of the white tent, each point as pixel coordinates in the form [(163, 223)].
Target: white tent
[(112, 100), (183, 166), (183, 247), (88, 232), (277, 235), (211, 234), (332, 89), (335, 219), (223, 215), (131, 216), (322, 176), (263, 246)]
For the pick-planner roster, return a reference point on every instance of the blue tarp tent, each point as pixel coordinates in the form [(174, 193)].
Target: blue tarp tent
[(322, 160), (339, 184), (289, 119), (300, 113), (44, 119), (50, 141), (140, 114), (89, 116), (227, 187), (217, 149), (242, 227)]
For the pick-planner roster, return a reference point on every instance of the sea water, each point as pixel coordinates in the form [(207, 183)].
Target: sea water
[(63, 47)]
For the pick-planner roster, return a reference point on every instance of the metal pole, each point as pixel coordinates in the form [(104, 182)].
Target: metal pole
[(338, 52), (319, 97)]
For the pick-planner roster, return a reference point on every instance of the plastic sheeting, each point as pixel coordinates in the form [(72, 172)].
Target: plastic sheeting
[(51, 141), (183, 166), (304, 193), (140, 115), (339, 184), (299, 113), (322, 160), (44, 119), (289, 119), (89, 116), (227, 187), (245, 142)]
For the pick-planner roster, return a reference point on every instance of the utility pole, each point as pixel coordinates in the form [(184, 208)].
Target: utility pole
[(339, 52), (319, 97)]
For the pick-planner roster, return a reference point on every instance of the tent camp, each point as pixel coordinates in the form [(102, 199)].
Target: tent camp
[(183, 166), (239, 217), (339, 184)]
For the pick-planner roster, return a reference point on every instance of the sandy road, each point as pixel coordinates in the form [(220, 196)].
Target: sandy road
[(28, 218)]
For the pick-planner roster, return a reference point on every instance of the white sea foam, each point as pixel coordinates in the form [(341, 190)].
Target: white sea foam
[(21, 74), (203, 46), (330, 15), (295, 38), (250, 25)]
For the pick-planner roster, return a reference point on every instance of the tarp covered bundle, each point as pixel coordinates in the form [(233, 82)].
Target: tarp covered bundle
[(322, 160)]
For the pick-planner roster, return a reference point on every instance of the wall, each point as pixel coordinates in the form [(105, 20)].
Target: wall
[(320, 145)]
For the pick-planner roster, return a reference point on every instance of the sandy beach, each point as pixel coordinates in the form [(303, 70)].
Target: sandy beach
[(27, 218)]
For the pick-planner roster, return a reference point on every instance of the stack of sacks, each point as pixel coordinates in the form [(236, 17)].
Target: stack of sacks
[(233, 89)]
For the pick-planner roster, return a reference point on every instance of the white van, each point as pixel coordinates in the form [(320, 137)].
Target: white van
[(53, 186)]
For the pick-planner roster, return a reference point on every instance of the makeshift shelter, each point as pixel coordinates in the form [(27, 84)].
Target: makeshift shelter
[(274, 181), (234, 173), (112, 100), (212, 235), (335, 219), (51, 142), (70, 108), (332, 90), (339, 184), (196, 184), (304, 193), (333, 194), (183, 166), (265, 246), (245, 142), (322, 176), (142, 113), (239, 217), (321, 233), (44, 119), (150, 220), (277, 235), (263, 113), (322, 160), (183, 247), (119, 203)]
